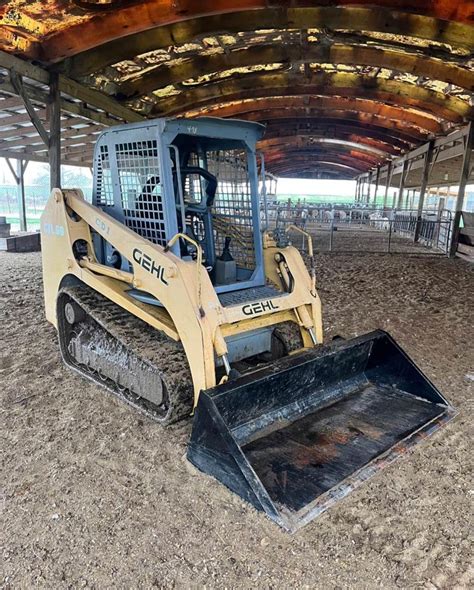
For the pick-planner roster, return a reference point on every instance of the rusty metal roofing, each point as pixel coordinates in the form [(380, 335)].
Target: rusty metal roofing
[(342, 86)]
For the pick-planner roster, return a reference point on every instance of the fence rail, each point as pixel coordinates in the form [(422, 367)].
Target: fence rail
[(353, 229)]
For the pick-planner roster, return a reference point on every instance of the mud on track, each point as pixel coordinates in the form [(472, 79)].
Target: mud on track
[(94, 495)]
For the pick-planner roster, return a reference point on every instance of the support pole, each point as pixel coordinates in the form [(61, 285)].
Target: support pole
[(407, 200), (402, 184), (54, 144), (424, 184), (19, 176), (369, 182), (466, 167), (377, 180), (387, 184), (356, 198), (21, 167)]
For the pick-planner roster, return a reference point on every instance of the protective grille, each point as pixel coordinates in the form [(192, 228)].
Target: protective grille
[(232, 211), (193, 188), (104, 192), (140, 189)]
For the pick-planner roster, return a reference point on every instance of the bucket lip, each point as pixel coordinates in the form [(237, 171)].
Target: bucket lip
[(298, 359), (293, 521)]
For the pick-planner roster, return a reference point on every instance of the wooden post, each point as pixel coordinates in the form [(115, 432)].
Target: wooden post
[(21, 167), (402, 184), (377, 180), (19, 176), (466, 166), (369, 182), (424, 184), (407, 200), (54, 145), (387, 184)]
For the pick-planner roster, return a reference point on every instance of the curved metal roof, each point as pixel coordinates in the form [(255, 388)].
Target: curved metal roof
[(342, 86)]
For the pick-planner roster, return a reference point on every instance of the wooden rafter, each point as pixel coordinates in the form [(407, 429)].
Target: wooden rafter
[(262, 84), (149, 79), (380, 141), (305, 141), (72, 89), (328, 104), (100, 42)]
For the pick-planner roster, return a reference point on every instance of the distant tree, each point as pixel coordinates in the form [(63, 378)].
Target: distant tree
[(71, 177), (42, 177)]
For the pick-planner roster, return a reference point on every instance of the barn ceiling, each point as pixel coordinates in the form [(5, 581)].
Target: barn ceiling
[(342, 86)]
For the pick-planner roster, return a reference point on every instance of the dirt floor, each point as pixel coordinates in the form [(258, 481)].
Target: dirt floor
[(95, 495)]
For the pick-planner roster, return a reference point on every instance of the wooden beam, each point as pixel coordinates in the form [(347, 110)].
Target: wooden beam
[(67, 123), (32, 157), (302, 141), (308, 164), (99, 100), (335, 128), (12, 170), (273, 115), (309, 151), (102, 42), (11, 103), (68, 106), (90, 132), (20, 118), (54, 143), (17, 83), (160, 76), (326, 102), (283, 83), (70, 87), (294, 156)]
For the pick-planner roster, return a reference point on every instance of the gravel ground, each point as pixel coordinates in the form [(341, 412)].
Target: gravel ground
[(95, 495)]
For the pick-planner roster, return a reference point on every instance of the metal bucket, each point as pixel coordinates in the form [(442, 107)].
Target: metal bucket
[(300, 434)]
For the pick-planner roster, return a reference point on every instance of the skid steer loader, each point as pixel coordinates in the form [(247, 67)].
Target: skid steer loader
[(167, 291)]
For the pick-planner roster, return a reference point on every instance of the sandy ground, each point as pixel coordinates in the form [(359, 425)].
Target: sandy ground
[(95, 495)]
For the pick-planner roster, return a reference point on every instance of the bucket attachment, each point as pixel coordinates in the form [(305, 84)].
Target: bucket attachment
[(300, 434)]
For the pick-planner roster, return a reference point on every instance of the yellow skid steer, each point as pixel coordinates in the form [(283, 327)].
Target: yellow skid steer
[(169, 291)]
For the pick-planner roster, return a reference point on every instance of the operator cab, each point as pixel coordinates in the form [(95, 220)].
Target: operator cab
[(197, 178)]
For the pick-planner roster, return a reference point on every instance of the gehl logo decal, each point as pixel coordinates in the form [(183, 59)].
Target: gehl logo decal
[(150, 265), (259, 307)]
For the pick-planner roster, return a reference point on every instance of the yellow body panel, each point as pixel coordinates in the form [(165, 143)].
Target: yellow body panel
[(192, 311)]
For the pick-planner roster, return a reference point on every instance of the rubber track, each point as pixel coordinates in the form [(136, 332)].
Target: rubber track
[(152, 346)]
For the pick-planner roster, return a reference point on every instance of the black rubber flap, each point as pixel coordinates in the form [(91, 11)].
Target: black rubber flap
[(300, 434)]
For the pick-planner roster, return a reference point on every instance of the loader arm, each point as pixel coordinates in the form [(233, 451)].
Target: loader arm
[(169, 279), (191, 311)]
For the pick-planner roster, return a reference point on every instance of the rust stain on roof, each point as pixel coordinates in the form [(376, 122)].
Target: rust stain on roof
[(400, 69)]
